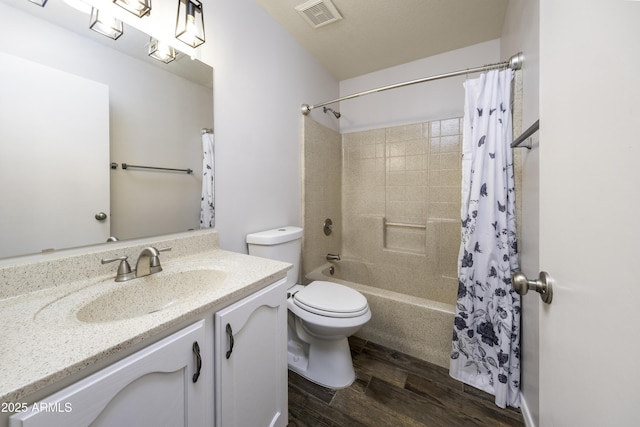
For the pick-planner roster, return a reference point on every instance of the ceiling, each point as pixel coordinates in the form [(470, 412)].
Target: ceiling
[(378, 34)]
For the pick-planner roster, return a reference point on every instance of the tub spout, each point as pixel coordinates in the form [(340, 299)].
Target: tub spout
[(333, 257)]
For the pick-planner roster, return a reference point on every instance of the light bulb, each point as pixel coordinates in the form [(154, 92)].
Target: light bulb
[(191, 28), (105, 24), (139, 8), (163, 50)]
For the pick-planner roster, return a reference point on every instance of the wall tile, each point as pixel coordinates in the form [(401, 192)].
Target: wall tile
[(408, 174), (404, 133)]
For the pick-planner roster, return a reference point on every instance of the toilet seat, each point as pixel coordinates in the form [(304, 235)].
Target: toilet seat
[(331, 300)]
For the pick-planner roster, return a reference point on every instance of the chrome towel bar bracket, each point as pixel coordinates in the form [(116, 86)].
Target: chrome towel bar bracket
[(526, 136)]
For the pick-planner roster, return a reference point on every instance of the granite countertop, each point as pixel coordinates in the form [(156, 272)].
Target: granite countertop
[(43, 341)]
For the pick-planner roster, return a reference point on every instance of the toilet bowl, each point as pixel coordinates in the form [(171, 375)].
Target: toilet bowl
[(321, 315)]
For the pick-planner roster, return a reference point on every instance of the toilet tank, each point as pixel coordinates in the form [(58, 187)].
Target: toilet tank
[(281, 244)]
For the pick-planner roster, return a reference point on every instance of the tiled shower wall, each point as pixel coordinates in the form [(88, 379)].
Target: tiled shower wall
[(401, 205), (393, 195), (322, 175)]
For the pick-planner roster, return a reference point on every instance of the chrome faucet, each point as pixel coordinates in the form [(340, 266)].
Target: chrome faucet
[(333, 257), (149, 261)]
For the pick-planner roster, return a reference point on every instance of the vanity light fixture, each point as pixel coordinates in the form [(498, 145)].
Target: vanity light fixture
[(190, 23), (139, 8), (39, 2), (161, 51), (105, 24)]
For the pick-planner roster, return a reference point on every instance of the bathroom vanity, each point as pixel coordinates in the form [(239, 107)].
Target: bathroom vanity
[(201, 343)]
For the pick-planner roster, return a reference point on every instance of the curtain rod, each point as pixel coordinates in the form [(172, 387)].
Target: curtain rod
[(515, 63)]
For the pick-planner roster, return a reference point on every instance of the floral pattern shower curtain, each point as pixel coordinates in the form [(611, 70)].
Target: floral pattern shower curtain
[(207, 208), (486, 334)]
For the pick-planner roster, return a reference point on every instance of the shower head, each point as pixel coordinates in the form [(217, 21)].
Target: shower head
[(335, 113)]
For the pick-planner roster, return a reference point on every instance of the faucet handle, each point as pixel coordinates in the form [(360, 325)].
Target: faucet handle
[(124, 269), (155, 252), (154, 262), (118, 258)]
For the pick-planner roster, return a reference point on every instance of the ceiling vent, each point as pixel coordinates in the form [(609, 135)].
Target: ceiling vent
[(319, 12)]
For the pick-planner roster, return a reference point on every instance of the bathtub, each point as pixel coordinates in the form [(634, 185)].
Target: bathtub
[(411, 324)]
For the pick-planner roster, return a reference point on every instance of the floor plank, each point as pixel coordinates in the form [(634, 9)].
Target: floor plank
[(394, 389), (482, 411)]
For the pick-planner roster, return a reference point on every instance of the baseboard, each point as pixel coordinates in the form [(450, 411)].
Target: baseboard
[(526, 414)]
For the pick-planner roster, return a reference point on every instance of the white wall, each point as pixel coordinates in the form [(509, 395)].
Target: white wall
[(262, 76), (141, 97), (434, 100), (521, 34)]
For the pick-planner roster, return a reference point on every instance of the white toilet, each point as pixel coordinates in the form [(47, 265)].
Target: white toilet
[(321, 314)]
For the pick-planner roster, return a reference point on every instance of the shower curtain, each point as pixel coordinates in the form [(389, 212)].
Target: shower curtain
[(486, 333), (207, 209)]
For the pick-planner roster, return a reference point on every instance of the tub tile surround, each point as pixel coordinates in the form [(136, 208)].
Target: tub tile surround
[(37, 352), (416, 180), (407, 174), (322, 172)]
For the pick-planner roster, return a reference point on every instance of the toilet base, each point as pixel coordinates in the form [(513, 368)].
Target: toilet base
[(327, 363)]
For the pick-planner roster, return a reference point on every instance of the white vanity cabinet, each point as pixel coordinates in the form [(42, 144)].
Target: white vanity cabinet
[(153, 387), (243, 381), (251, 360)]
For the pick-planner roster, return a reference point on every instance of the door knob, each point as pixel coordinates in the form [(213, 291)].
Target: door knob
[(543, 286), (101, 216)]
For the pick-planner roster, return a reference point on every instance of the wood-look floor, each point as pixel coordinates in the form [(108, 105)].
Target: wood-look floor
[(394, 389)]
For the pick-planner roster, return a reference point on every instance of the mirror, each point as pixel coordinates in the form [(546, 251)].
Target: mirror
[(156, 113)]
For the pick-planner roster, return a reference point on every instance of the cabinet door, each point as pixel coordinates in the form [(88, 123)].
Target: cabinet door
[(153, 387), (251, 360)]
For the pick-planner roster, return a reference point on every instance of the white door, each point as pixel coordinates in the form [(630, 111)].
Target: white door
[(54, 154), (589, 212)]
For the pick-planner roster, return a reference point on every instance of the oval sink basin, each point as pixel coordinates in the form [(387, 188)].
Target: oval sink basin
[(149, 294)]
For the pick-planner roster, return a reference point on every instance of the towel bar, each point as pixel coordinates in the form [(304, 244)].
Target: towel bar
[(127, 166)]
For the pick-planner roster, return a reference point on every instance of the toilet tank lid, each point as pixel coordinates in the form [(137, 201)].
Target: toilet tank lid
[(275, 236)]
